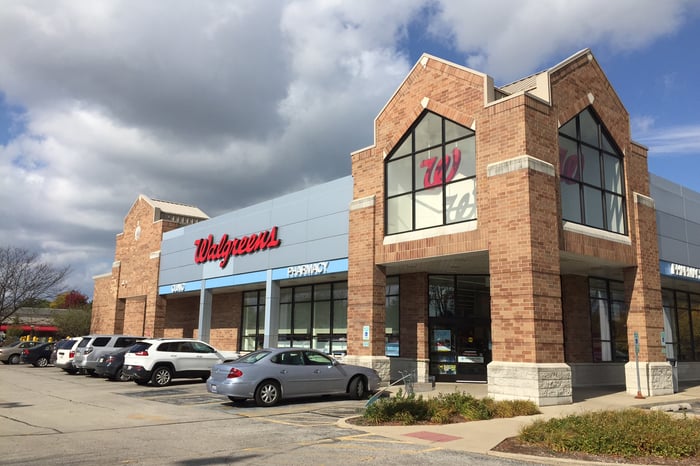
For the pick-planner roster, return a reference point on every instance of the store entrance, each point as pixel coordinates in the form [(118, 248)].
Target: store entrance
[(460, 328), (459, 352)]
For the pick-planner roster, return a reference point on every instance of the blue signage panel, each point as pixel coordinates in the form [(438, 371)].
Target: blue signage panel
[(180, 287), (685, 272), (311, 269)]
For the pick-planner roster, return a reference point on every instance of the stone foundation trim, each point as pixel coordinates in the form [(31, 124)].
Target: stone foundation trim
[(655, 378), (523, 162), (362, 203), (381, 364), (644, 200), (546, 384), (596, 233)]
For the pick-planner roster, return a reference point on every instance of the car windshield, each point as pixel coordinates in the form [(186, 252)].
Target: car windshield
[(139, 347), (253, 357), (65, 344), (122, 350)]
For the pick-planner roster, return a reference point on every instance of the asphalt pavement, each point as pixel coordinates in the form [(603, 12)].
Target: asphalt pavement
[(51, 418)]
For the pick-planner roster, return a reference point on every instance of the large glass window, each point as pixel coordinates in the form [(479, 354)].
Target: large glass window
[(591, 174), (392, 316), (682, 325), (314, 316), (430, 178), (608, 320), (253, 326)]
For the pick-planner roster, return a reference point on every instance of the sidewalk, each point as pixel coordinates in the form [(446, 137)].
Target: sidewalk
[(482, 436)]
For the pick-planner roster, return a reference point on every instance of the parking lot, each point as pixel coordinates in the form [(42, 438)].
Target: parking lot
[(51, 417)]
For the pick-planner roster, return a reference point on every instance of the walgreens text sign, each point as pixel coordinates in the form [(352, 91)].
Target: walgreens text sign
[(208, 250)]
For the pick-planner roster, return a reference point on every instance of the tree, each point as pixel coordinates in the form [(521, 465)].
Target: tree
[(69, 300), (73, 322), (25, 279)]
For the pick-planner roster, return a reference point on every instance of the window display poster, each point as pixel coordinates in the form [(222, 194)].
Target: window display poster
[(449, 369), (442, 340)]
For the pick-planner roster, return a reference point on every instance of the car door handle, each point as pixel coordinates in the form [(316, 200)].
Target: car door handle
[(317, 371), (283, 371)]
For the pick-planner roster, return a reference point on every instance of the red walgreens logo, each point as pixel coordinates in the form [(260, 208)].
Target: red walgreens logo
[(208, 250)]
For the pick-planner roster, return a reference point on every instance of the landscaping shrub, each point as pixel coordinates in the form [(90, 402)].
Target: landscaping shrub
[(443, 409), (628, 433)]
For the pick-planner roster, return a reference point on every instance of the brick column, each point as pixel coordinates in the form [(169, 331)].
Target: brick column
[(106, 316), (576, 306), (413, 334), (366, 292), (643, 294), (526, 314)]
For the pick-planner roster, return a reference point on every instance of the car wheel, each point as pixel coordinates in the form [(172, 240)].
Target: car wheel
[(267, 393), (41, 362), (236, 399), (14, 359), (162, 376), (358, 388), (121, 376)]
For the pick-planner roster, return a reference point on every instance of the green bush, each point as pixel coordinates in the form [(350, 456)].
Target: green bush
[(628, 433), (443, 409)]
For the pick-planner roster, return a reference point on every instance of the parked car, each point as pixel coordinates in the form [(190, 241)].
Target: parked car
[(91, 347), (65, 352), (11, 353), (161, 360), (269, 375), (39, 355), (111, 365)]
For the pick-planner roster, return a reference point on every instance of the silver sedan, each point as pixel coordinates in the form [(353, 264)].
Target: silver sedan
[(269, 375)]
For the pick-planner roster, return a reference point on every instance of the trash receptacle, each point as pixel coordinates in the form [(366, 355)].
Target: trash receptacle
[(674, 372)]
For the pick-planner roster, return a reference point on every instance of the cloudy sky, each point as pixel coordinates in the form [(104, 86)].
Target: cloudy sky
[(222, 104)]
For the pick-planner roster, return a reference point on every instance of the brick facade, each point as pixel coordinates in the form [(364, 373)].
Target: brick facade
[(536, 265), (519, 217)]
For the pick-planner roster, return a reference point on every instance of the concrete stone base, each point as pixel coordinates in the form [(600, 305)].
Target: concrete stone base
[(381, 364), (655, 378), (544, 384)]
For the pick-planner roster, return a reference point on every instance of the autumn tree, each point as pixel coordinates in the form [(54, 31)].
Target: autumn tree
[(25, 279), (69, 300)]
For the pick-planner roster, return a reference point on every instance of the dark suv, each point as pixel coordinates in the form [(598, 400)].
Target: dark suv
[(91, 347)]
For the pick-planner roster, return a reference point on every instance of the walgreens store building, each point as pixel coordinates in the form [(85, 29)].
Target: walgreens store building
[(510, 236)]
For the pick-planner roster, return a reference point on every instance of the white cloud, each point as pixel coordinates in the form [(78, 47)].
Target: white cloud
[(223, 104), (510, 37), (683, 140)]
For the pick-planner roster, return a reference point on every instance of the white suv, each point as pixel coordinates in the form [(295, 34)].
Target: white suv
[(65, 352), (160, 360)]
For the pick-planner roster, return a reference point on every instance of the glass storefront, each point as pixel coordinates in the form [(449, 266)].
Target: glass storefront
[(460, 327), (311, 316)]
